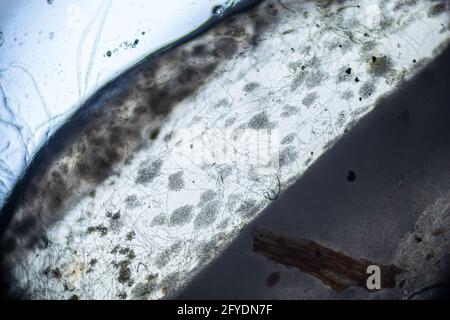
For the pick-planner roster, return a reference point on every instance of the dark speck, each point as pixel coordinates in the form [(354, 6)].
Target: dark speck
[(351, 177), (154, 134), (356, 79), (348, 71), (273, 279), (109, 53)]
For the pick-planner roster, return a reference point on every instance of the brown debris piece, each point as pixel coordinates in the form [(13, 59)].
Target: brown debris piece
[(333, 268)]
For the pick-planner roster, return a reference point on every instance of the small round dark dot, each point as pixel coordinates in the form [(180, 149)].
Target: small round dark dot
[(348, 71), (351, 177), (109, 53)]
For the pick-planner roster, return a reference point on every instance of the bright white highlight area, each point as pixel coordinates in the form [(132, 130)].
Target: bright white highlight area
[(55, 54)]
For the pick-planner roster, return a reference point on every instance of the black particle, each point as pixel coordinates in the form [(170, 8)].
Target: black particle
[(374, 59), (348, 71), (356, 79), (351, 177), (109, 53)]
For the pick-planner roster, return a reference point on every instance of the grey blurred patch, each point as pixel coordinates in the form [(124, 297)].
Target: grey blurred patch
[(164, 257), (147, 174), (182, 215), (159, 220), (176, 181), (309, 99), (248, 208), (132, 201), (287, 156), (260, 121), (288, 139), (206, 197), (208, 214)]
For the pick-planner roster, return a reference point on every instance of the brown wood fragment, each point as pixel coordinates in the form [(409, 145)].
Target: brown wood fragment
[(333, 268)]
